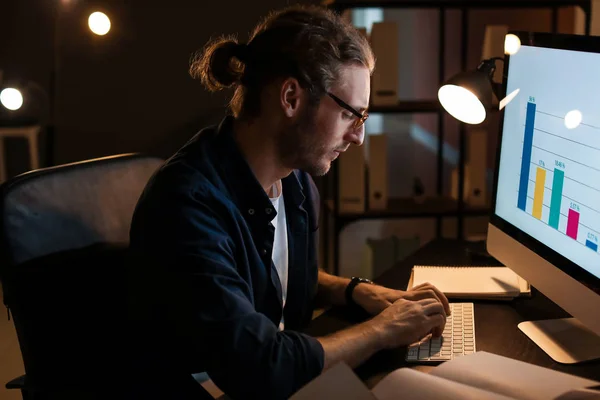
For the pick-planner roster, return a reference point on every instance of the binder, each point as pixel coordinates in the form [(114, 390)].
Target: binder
[(378, 177), (352, 183), (477, 167), (385, 80), (454, 183)]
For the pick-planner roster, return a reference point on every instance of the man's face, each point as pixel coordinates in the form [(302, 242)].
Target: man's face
[(321, 133)]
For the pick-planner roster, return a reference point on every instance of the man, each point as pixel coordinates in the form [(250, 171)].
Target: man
[(227, 228)]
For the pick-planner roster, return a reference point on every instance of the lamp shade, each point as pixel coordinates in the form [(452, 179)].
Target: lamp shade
[(468, 96)]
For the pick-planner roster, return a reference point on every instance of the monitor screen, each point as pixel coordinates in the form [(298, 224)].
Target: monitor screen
[(548, 182)]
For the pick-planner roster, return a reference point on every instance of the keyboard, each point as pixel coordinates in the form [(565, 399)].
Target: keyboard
[(458, 338)]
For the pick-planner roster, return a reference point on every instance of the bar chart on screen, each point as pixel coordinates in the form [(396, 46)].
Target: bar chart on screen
[(559, 178)]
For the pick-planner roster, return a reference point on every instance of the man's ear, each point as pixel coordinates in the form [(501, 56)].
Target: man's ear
[(291, 97)]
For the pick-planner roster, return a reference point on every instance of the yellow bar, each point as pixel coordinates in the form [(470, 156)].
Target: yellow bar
[(538, 196)]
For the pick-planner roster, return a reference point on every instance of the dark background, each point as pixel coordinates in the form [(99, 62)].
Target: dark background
[(130, 91)]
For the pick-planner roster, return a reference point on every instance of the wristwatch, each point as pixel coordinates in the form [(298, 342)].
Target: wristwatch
[(350, 288)]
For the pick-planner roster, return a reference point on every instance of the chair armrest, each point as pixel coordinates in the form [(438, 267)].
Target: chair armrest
[(17, 383)]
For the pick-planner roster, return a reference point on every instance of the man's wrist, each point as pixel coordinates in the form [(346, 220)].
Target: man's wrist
[(351, 288), (332, 289), (376, 331), (360, 292)]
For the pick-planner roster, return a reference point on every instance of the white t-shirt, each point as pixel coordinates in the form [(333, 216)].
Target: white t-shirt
[(280, 245)]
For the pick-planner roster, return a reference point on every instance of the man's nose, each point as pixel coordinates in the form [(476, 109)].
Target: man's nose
[(357, 136)]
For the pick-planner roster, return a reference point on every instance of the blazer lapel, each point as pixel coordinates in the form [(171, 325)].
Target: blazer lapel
[(297, 219)]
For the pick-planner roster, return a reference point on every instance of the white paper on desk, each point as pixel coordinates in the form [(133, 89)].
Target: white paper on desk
[(510, 377), (408, 384), (466, 281), (337, 382)]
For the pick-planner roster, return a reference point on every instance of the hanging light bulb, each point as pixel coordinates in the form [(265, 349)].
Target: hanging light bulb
[(11, 98), (99, 23)]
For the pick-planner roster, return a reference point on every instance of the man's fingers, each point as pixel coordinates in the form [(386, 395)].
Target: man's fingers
[(434, 308), (425, 288), (422, 294), (421, 285), (438, 322), (428, 294), (427, 301)]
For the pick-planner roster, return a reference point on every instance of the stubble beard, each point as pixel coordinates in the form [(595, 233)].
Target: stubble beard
[(300, 148)]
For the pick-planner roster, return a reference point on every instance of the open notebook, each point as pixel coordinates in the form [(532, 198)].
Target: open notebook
[(479, 376), (471, 282)]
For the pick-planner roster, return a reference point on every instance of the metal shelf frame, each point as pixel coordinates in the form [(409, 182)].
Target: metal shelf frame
[(437, 207)]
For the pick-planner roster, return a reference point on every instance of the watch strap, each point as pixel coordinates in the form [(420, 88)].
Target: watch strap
[(354, 281)]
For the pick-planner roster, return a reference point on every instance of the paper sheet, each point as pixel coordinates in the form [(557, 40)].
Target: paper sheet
[(510, 377), (408, 384)]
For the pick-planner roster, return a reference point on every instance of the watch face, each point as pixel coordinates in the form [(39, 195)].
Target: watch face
[(358, 279)]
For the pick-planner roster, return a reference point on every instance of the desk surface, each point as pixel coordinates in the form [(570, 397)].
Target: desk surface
[(495, 321)]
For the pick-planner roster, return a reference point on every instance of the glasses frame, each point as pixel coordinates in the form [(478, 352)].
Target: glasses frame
[(361, 117)]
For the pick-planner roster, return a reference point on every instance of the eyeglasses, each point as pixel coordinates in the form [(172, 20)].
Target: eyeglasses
[(361, 118)]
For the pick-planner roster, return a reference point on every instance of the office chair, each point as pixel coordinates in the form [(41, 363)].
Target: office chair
[(64, 234)]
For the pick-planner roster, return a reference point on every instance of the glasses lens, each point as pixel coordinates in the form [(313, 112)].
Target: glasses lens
[(360, 121)]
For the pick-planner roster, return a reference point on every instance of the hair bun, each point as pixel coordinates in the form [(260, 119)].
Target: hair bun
[(241, 52)]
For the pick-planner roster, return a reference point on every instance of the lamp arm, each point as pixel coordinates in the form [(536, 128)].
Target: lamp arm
[(489, 67)]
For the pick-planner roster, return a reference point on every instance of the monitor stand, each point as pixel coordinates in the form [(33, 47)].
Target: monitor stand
[(566, 340)]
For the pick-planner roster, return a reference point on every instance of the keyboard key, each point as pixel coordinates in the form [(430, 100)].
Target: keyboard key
[(458, 338), (440, 358), (413, 354)]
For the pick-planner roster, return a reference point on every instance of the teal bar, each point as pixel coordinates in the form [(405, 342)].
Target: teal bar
[(557, 189)]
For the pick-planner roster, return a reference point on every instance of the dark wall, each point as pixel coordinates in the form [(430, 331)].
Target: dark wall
[(129, 90)]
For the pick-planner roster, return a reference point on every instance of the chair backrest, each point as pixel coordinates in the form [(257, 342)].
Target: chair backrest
[(64, 234), (72, 206)]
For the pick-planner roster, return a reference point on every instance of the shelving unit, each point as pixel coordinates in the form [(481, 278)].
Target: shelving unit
[(439, 206)]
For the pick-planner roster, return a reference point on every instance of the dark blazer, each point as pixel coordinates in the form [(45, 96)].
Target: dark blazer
[(206, 294)]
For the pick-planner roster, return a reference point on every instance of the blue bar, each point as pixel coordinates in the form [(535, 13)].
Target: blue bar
[(526, 159), (591, 245)]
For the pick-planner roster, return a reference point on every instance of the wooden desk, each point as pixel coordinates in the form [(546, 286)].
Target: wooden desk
[(496, 322)]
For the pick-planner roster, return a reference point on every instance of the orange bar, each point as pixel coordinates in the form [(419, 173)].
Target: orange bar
[(538, 196)]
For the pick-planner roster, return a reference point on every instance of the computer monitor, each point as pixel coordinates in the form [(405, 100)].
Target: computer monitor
[(545, 220)]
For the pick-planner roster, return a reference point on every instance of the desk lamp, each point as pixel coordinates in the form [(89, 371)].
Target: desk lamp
[(468, 96)]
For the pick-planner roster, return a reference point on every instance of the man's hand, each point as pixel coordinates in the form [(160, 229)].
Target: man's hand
[(401, 318), (374, 298), (406, 322)]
